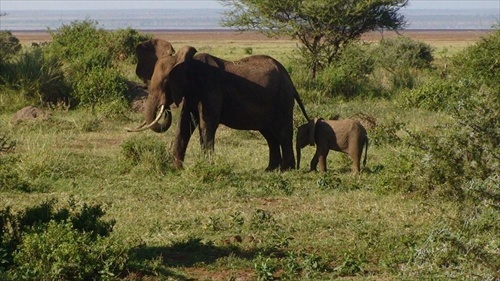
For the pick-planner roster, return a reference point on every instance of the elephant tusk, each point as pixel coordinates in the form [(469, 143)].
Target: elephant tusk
[(135, 129), (142, 127)]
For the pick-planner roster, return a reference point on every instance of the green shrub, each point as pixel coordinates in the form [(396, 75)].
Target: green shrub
[(387, 133), (38, 77), (90, 60), (85, 46), (403, 51), (474, 70), (60, 252), (401, 57), (346, 77), (9, 46), (480, 62), (6, 144), (468, 149), (99, 86), (437, 94), (122, 43), (463, 151), (10, 179), (78, 39), (91, 55), (45, 243)]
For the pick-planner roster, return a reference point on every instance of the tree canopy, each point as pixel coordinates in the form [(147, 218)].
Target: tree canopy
[(323, 27)]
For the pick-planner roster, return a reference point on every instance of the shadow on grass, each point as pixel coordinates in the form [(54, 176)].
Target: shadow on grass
[(185, 254)]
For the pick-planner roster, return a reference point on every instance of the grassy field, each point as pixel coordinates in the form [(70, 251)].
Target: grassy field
[(224, 218)]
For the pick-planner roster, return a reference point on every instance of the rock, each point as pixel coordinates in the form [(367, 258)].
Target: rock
[(29, 113)]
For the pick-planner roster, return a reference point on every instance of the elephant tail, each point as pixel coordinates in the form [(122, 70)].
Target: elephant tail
[(366, 152), (301, 105)]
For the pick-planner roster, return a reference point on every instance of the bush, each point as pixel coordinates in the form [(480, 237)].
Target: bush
[(480, 62), (9, 46), (437, 94), (45, 243), (475, 70), (347, 77), (401, 57), (401, 51), (465, 150), (99, 86), (85, 46), (62, 253), (78, 39), (38, 77), (123, 43), (10, 179)]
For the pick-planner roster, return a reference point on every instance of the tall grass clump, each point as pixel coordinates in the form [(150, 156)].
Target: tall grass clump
[(30, 76), (38, 77), (10, 178), (147, 154)]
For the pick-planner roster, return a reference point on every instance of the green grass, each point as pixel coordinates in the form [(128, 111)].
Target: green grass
[(155, 211), (224, 218)]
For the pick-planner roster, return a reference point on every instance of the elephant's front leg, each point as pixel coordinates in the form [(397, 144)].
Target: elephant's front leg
[(185, 129)]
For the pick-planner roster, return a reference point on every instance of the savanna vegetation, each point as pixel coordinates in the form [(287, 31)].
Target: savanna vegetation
[(324, 28), (81, 199)]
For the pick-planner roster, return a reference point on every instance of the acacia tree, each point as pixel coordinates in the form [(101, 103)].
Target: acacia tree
[(323, 27)]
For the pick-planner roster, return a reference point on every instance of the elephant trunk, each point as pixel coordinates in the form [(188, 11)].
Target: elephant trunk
[(298, 155), (159, 119)]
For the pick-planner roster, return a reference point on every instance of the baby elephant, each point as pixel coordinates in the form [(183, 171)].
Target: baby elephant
[(347, 136)]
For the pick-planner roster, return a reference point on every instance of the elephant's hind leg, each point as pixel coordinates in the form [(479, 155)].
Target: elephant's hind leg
[(356, 159), (274, 150)]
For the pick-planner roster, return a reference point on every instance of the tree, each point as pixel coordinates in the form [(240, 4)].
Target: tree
[(324, 27)]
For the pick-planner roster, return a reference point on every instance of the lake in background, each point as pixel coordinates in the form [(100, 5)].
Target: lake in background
[(209, 19)]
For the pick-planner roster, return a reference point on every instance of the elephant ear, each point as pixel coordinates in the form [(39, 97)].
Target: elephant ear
[(147, 54), (186, 53), (179, 82)]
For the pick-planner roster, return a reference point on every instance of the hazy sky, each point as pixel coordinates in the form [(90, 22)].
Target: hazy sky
[(9, 5)]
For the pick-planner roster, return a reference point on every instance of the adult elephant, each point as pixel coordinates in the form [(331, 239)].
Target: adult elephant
[(255, 93)]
